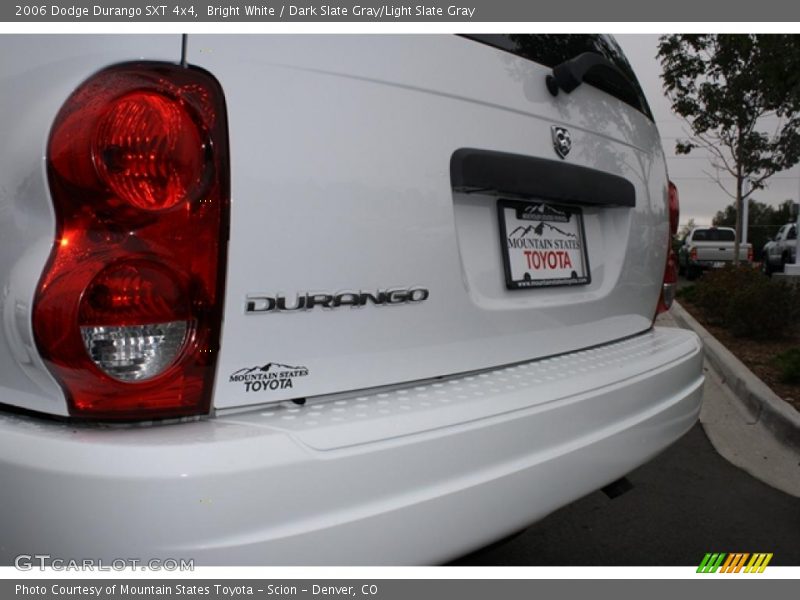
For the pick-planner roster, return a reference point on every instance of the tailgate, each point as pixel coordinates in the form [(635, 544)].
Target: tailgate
[(716, 251), (362, 253)]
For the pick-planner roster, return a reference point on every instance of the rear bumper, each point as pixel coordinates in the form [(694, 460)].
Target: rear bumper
[(710, 264), (419, 474), (715, 264)]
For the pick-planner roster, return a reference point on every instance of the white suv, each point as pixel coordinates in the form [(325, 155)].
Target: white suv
[(299, 299)]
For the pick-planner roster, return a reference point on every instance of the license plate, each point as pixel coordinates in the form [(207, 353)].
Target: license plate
[(543, 244), (717, 265)]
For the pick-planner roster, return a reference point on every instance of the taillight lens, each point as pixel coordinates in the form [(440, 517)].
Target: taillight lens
[(674, 208), (670, 281), (750, 254), (148, 151), (134, 319), (127, 313)]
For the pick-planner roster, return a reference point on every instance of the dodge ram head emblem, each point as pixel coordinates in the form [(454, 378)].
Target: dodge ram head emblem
[(562, 141)]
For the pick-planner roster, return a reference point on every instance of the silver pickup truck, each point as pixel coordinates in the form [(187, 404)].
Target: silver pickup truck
[(780, 250), (709, 248)]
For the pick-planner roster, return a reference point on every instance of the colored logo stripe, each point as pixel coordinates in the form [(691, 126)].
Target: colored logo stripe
[(734, 562), (758, 563), (711, 562)]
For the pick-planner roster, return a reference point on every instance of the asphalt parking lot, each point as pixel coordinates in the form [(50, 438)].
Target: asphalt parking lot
[(686, 502)]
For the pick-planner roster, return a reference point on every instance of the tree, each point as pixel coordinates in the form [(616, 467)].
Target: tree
[(686, 228), (740, 96)]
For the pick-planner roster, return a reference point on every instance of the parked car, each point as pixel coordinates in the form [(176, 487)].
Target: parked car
[(781, 250), (706, 248), (326, 299)]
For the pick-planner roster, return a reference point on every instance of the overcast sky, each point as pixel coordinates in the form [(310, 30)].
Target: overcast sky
[(700, 197)]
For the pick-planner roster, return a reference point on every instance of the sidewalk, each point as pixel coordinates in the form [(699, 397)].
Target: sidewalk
[(759, 400), (742, 438)]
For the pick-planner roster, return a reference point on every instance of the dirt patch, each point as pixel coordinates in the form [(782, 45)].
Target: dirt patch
[(758, 355)]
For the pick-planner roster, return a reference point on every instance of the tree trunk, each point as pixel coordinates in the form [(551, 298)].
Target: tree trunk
[(739, 210)]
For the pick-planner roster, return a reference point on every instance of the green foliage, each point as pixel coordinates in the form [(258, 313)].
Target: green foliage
[(789, 364), (731, 89), (723, 85), (687, 293), (760, 214), (746, 303)]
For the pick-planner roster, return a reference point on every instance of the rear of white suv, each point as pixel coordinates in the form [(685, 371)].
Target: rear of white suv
[(298, 299)]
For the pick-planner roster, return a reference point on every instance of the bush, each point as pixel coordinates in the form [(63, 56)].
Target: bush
[(747, 303), (715, 291), (688, 293), (789, 364)]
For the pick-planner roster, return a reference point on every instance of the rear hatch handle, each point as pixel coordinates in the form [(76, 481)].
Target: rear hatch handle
[(571, 73), (475, 170)]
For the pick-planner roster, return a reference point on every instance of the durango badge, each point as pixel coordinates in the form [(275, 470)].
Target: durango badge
[(307, 301)]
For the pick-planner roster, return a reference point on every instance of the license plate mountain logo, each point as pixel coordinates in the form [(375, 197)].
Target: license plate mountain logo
[(543, 245), (542, 212), (543, 235), (271, 376)]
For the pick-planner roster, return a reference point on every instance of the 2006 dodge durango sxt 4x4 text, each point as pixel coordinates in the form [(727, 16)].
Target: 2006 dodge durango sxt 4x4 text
[(326, 299)]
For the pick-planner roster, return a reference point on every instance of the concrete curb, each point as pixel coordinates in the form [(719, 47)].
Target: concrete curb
[(760, 402)]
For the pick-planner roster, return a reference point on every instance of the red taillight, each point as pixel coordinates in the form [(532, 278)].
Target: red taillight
[(127, 313), (674, 208), (750, 254), (149, 151), (670, 281)]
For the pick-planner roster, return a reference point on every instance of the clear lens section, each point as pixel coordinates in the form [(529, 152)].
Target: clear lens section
[(135, 352), (668, 293)]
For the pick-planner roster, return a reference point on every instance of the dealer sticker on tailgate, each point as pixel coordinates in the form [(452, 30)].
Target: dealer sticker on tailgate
[(543, 244)]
